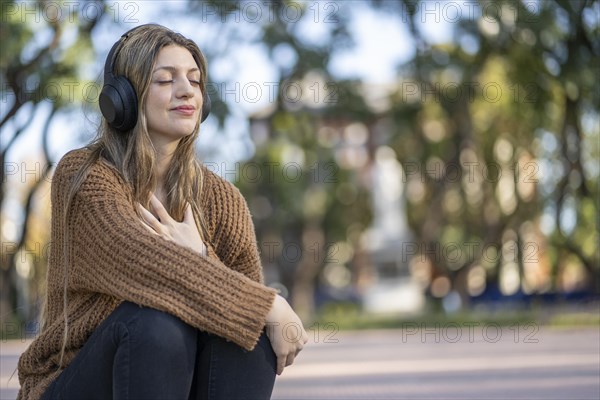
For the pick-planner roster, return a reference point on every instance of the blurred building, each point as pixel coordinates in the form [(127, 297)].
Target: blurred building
[(379, 267), (393, 289)]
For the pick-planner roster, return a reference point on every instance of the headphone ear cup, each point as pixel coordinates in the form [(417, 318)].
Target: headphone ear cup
[(206, 106), (118, 103)]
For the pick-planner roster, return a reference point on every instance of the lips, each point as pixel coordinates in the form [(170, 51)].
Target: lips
[(184, 110)]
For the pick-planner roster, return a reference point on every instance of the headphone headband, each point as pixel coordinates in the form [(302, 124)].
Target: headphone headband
[(109, 64)]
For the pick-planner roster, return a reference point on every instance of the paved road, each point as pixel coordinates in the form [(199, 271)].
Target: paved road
[(451, 362)]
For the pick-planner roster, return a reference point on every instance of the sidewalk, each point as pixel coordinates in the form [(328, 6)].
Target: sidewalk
[(9, 356), (450, 362)]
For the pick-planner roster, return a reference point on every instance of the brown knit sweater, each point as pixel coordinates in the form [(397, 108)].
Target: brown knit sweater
[(115, 258)]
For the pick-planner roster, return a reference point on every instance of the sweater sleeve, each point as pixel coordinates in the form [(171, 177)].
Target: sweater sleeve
[(113, 253), (228, 200)]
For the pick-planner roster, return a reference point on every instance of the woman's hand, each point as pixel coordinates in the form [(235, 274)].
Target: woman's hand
[(286, 333), (183, 233)]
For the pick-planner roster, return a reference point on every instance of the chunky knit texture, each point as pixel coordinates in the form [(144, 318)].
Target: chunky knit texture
[(115, 258)]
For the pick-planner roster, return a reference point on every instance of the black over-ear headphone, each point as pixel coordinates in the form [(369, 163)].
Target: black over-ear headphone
[(118, 100)]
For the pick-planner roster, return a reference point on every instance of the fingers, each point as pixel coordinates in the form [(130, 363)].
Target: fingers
[(149, 220), (281, 361), (301, 342), (286, 357), (157, 206), (286, 348), (290, 359), (188, 219), (145, 225), (285, 360)]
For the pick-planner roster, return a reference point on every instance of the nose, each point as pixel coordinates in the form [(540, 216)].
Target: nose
[(184, 88)]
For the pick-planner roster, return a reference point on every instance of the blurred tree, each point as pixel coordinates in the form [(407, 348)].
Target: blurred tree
[(491, 130), (38, 67), (471, 121), (303, 201)]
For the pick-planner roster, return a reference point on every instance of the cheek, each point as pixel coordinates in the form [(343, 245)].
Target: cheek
[(155, 106), (158, 98)]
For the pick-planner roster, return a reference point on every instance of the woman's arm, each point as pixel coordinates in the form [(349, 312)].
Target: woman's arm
[(280, 319), (113, 253)]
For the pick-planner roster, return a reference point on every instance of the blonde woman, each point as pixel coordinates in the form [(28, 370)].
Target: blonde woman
[(155, 288)]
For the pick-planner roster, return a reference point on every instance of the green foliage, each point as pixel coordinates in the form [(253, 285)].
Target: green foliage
[(519, 105), (41, 62), (538, 71)]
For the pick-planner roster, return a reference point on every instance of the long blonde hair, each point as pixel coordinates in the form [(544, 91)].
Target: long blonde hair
[(132, 153)]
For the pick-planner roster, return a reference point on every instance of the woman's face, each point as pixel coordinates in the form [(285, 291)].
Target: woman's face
[(174, 101)]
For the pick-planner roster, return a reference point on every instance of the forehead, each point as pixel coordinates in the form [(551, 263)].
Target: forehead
[(175, 57)]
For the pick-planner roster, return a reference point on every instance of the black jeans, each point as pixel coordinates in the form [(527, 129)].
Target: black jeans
[(142, 353)]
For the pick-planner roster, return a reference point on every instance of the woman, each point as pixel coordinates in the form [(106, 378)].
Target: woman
[(155, 288)]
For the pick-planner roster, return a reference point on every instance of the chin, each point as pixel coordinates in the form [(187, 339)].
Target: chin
[(182, 134), (172, 134), (183, 130)]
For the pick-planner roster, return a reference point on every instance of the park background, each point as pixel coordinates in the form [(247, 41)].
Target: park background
[(404, 161), (422, 175), (396, 156)]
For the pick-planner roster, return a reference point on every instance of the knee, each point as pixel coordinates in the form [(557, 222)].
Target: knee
[(161, 333)]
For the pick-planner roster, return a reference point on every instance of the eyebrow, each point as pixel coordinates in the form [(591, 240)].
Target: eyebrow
[(173, 69)]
